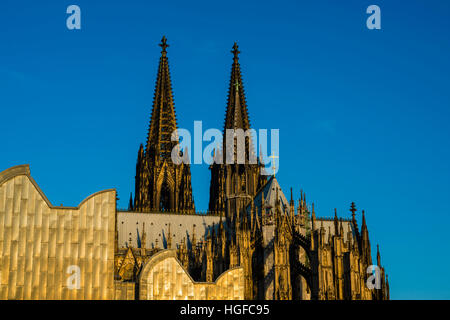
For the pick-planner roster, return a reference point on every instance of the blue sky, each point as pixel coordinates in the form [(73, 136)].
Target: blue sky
[(363, 114)]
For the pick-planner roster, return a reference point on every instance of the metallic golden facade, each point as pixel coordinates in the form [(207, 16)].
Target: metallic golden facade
[(39, 242), (164, 278)]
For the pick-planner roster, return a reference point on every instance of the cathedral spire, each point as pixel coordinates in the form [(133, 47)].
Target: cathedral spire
[(162, 185), (237, 177), (163, 120), (236, 114)]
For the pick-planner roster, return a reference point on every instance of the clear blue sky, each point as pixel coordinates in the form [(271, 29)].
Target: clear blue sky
[(363, 114)]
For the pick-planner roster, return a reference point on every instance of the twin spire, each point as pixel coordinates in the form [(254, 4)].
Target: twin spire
[(231, 182), (236, 114), (160, 184), (163, 119)]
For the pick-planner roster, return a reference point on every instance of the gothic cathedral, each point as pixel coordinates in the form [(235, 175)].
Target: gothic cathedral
[(284, 250), (252, 243)]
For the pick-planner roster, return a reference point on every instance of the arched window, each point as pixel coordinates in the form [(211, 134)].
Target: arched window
[(164, 199)]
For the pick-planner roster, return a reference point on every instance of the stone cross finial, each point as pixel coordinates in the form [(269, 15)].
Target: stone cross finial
[(235, 50), (163, 44)]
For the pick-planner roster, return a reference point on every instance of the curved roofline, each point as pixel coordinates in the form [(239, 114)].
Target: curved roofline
[(8, 174), (24, 170), (225, 272), (172, 253)]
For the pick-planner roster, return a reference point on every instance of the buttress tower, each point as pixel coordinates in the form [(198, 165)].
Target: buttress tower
[(161, 185)]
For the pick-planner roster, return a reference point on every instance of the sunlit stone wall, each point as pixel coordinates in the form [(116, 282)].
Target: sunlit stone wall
[(39, 242), (163, 278)]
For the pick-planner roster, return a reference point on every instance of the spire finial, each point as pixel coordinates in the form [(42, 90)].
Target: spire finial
[(163, 45), (353, 210), (235, 51), (274, 167)]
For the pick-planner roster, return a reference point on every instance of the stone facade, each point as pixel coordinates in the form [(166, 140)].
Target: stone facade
[(286, 252)]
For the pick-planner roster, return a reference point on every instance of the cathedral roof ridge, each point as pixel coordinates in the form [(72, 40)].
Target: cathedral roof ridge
[(174, 212), (272, 192), (332, 219)]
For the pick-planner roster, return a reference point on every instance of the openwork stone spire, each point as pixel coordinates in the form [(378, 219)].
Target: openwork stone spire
[(160, 184), (163, 120), (236, 113), (238, 180)]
